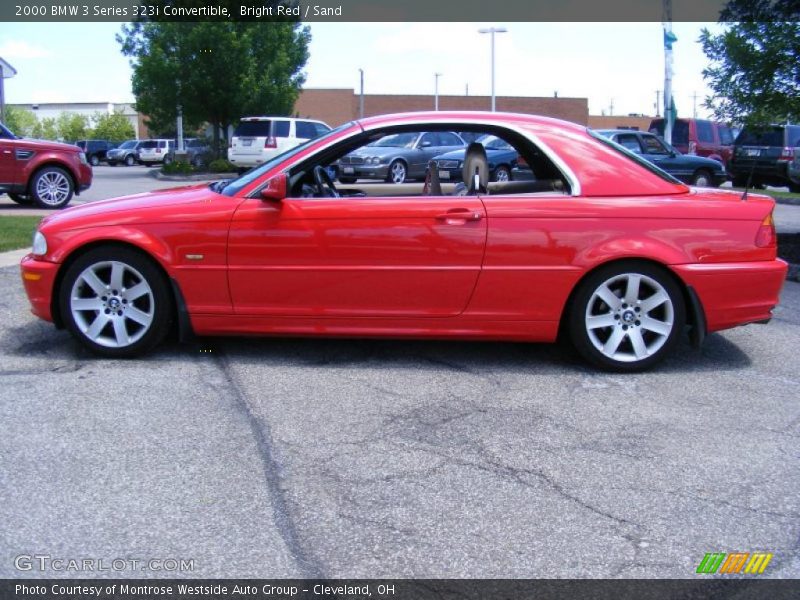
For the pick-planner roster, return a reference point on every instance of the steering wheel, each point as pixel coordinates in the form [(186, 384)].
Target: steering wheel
[(324, 183)]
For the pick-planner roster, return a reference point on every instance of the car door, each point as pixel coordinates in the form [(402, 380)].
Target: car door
[(356, 256), (8, 162), (426, 147)]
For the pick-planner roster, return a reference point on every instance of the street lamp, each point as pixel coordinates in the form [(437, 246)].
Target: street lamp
[(492, 31), (436, 90)]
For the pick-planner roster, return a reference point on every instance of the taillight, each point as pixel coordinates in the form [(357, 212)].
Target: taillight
[(271, 142), (787, 153), (692, 147), (158, 150), (766, 238)]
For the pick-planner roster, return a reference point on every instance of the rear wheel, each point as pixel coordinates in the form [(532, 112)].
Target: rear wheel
[(52, 187), (627, 316), (93, 160), (23, 199), (115, 302), (502, 174), (703, 178), (129, 161), (793, 187)]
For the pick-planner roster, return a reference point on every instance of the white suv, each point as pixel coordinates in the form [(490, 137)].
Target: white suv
[(257, 139), (155, 151)]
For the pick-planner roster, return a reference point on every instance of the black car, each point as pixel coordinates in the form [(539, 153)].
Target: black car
[(95, 150), (694, 170), (767, 157)]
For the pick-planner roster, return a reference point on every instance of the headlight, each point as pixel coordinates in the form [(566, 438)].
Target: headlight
[(39, 244), (374, 160), (82, 157)]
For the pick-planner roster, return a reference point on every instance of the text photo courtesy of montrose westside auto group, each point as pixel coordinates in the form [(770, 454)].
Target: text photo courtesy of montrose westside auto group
[(401, 301)]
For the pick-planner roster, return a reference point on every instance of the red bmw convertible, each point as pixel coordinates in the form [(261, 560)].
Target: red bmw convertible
[(596, 244)]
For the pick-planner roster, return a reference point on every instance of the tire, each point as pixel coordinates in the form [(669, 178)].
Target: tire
[(613, 334), (739, 181), (112, 163), (93, 160), (130, 161), (502, 173), (793, 187), (23, 199), (115, 325), (703, 178), (347, 180), (52, 187), (398, 172)]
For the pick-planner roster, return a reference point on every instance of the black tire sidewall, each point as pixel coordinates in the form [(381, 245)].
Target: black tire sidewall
[(21, 199), (39, 175), (577, 326), (162, 298)]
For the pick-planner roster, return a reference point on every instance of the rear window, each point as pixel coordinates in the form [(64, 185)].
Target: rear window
[(253, 129), (772, 137), (680, 130), (634, 157), (305, 130), (705, 132)]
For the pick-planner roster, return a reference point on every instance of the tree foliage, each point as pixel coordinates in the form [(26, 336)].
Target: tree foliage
[(46, 129), (114, 127), (20, 121), (73, 126), (754, 65), (216, 71)]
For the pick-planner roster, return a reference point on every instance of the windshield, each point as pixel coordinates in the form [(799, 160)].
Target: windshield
[(492, 142), (398, 140), (5, 133), (233, 186), (128, 144), (634, 157)]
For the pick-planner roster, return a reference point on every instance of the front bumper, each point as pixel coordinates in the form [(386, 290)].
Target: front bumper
[(38, 277), (734, 294), (364, 171)]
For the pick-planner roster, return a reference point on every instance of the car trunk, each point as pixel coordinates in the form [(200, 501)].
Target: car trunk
[(245, 137), (759, 149)]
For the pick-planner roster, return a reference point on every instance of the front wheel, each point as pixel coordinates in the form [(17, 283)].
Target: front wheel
[(627, 316), (23, 199), (52, 187), (93, 160), (502, 174), (703, 178), (115, 302), (397, 172), (129, 161)]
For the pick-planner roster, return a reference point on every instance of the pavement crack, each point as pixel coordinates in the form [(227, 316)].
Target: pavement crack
[(262, 434)]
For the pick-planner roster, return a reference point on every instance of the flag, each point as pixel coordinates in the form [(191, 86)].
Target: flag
[(669, 39)]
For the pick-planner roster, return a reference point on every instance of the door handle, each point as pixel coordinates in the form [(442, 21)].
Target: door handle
[(459, 215)]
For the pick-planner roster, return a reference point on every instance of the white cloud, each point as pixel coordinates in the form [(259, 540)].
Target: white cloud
[(20, 49)]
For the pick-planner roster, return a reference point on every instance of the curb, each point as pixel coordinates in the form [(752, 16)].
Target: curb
[(789, 201), (157, 174), (12, 257), (794, 273)]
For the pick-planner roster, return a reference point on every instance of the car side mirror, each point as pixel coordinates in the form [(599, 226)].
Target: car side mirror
[(276, 189), (425, 144)]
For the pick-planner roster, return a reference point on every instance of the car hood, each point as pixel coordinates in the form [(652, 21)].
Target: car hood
[(379, 151), (187, 203), (48, 145)]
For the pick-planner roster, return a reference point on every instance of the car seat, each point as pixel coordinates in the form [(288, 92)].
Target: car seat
[(475, 171), (433, 185)]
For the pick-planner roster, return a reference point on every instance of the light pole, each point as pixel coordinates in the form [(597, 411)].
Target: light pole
[(361, 96), (492, 31), (436, 90)]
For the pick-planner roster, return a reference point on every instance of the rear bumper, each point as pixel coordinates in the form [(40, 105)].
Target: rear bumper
[(734, 294), (39, 278)]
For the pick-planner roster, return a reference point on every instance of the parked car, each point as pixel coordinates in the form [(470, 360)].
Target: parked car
[(257, 139), (125, 153), (695, 170), (615, 254), (398, 157), (46, 174), (151, 152), (502, 158), (767, 157), (699, 136), (95, 150), (198, 152)]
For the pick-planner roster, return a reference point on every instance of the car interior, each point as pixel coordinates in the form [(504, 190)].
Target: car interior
[(536, 173)]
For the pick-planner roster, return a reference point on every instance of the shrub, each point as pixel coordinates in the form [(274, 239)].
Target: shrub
[(178, 167), (221, 165)]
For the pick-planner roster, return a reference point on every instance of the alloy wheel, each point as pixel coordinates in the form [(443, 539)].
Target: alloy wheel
[(53, 188)]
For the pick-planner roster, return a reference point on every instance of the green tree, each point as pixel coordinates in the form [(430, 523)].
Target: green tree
[(216, 71), (20, 121), (114, 127), (72, 126), (754, 70), (46, 129)]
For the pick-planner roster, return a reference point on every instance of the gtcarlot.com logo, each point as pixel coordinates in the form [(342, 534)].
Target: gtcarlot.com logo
[(752, 563), (45, 562)]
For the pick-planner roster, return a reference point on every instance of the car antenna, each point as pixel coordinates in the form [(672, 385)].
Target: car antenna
[(749, 181)]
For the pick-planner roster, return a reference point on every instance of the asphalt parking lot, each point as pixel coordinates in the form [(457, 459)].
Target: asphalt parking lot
[(373, 458)]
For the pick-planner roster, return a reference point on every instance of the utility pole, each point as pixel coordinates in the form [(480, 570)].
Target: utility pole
[(694, 104), (466, 89), (436, 90), (658, 102), (492, 31), (669, 102), (361, 96), (611, 108)]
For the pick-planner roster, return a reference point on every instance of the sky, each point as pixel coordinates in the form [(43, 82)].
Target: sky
[(619, 63)]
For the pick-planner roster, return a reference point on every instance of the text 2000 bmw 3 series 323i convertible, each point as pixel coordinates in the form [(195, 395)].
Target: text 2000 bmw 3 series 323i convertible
[(593, 242)]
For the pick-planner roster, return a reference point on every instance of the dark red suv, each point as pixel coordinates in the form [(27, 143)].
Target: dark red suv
[(700, 137), (39, 172)]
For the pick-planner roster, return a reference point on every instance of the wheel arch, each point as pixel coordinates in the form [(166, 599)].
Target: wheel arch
[(178, 302), (53, 163), (695, 313)]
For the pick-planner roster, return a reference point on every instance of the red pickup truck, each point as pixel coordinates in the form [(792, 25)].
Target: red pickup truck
[(39, 172)]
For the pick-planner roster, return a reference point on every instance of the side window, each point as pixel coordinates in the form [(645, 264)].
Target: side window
[(652, 145), (305, 130), (705, 132), (162, 144), (448, 139), (629, 141), (321, 129), (429, 139), (725, 136), (280, 129)]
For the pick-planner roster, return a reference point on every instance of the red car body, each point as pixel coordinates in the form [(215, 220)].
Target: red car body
[(500, 267)]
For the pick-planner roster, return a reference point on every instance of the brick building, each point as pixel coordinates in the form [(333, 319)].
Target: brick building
[(336, 106), (638, 122)]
